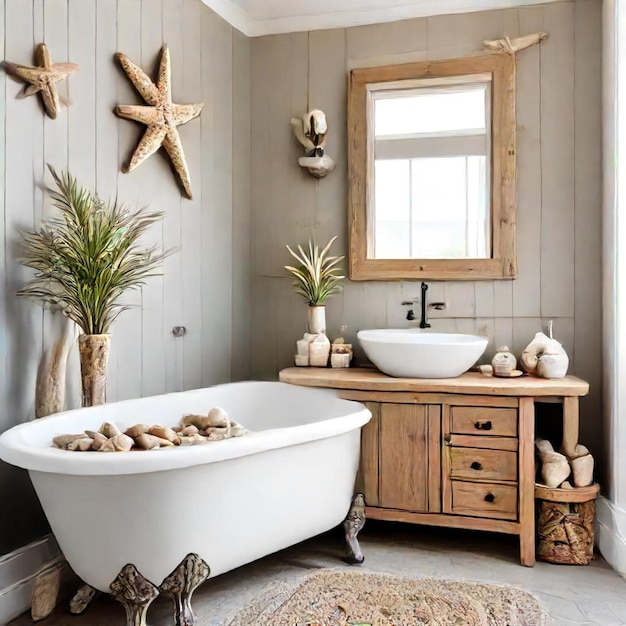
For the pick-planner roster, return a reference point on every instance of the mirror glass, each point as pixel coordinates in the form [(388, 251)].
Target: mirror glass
[(431, 165), (431, 168)]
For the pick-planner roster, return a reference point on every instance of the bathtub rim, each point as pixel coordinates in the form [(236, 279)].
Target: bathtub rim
[(15, 450)]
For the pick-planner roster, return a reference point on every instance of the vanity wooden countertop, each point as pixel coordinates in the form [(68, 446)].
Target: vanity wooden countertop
[(469, 383)]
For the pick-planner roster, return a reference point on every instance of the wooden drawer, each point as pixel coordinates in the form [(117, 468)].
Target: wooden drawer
[(484, 500), (478, 420), (478, 464)]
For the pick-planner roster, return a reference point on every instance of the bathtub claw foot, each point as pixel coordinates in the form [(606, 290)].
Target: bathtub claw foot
[(135, 593), (82, 599), (352, 526), (180, 585)]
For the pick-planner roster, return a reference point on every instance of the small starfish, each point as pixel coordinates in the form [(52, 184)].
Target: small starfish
[(162, 117), (42, 77)]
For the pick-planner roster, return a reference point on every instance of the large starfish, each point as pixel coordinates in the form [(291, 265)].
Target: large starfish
[(42, 77), (162, 116)]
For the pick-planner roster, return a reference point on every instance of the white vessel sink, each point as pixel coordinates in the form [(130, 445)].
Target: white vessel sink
[(413, 353)]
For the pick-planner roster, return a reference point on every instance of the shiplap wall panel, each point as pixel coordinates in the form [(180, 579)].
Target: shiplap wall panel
[(557, 158), (107, 147), (588, 192), (87, 137), (217, 259), (508, 312), (327, 49), (128, 349), (25, 319), (152, 178), (191, 211), (173, 34), (527, 286), (262, 71), (384, 40), (302, 189), (242, 232)]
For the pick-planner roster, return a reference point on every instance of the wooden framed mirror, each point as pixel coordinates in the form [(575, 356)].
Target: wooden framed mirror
[(431, 149)]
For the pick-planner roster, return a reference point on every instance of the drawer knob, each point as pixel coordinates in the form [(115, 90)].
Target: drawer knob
[(483, 425), (476, 465), (490, 498)]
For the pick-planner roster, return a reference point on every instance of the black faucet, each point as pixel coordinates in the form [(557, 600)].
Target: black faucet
[(423, 320)]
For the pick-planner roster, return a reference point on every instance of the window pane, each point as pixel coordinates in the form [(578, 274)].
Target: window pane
[(449, 208), (392, 219), (428, 111)]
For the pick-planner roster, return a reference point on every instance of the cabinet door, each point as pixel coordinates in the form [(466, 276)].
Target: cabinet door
[(409, 458)]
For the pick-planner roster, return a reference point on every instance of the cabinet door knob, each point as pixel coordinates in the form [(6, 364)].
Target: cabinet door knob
[(490, 498), (476, 465), (483, 425)]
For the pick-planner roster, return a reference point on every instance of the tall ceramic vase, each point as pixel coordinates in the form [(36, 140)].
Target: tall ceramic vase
[(94, 354), (319, 347), (317, 319)]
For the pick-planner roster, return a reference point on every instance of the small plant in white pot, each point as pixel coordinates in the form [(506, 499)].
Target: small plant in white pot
[(316, 279), (84, 259)]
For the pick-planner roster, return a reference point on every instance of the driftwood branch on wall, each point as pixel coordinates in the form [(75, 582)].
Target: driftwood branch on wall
[(515, 45)]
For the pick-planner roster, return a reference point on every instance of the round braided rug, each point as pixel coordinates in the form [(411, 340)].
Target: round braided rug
[(348, 598)]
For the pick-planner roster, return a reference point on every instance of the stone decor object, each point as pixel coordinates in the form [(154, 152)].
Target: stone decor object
[(341, 353), (555, 467), (42, 78), (160, 115), (192, 429), (311, 131), (582, 466), (545, 357), (503, 362)]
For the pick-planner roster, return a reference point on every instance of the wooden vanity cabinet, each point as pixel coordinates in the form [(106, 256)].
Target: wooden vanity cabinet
[(456, 452)]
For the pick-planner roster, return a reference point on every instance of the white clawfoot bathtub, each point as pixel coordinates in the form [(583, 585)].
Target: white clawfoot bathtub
[(230, 502)]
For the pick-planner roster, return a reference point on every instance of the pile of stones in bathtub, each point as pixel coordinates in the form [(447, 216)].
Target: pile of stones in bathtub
[(193, 429)]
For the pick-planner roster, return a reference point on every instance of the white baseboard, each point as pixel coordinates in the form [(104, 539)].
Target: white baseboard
[(611, 534), (18, 570)]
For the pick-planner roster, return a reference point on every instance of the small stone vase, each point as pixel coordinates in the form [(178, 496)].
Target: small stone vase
[(94, 354), (317, 319)]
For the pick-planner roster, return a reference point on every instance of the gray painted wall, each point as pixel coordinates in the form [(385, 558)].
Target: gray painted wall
[(196, 287), (559, 186)]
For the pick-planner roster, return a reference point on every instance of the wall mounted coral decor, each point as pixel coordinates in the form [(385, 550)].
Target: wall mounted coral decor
[(161, 116), (42, 77)]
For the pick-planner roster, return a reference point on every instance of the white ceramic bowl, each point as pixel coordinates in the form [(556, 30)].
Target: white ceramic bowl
[(412, 353)]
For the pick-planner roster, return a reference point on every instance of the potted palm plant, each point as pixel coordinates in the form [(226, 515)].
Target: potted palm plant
[(316, 279), (84, 260)]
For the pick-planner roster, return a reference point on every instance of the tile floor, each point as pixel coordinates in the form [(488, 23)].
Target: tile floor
[(589, 595)]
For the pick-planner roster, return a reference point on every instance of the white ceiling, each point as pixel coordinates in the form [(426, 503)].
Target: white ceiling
[(265, 17)]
